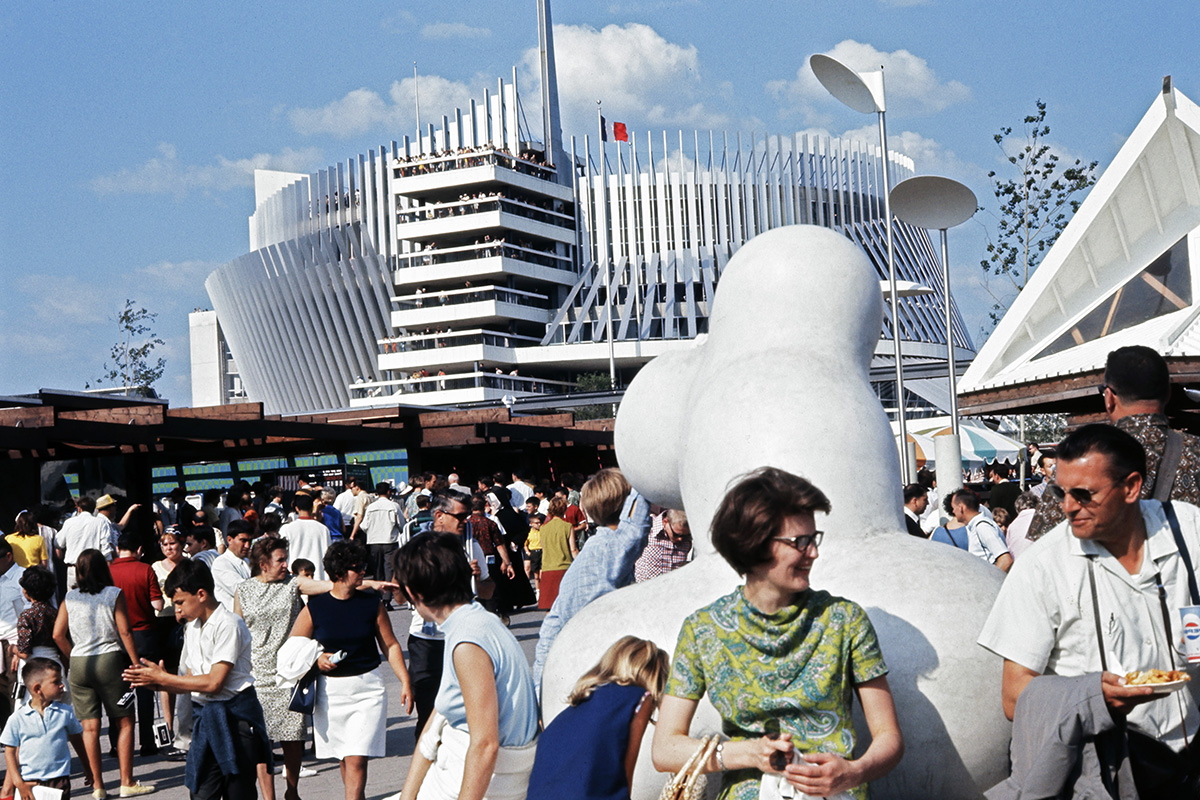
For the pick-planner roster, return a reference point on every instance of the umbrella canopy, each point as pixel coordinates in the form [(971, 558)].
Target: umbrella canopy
[(925, 449), (982, 445)]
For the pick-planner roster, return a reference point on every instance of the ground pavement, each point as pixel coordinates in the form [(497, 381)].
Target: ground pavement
[(385, 775)]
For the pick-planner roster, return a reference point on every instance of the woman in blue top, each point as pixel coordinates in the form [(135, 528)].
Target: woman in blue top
[(480, 740), (350, 718), (589, 751)]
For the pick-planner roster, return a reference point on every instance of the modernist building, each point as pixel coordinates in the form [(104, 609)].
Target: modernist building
[(1119, 274), (479, 262)]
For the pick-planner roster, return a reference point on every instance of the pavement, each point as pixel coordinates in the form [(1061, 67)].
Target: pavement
[(385, 776)]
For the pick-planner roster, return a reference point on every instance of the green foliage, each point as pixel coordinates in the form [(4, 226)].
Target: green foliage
[(1045, 428), (593, 382), (129, 362), (1035, 206)]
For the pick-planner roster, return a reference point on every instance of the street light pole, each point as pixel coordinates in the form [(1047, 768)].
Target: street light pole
[(864, 92)]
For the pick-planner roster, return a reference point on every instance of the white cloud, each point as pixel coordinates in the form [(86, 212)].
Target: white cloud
[(399, 22), (364, 110), (166, 174), (454, 30), (913, 88), (640, 77)]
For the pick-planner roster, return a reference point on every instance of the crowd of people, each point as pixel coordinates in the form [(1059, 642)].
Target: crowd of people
[(280, 621), (529, 162)]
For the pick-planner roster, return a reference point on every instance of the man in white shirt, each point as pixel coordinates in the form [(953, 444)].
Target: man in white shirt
[(12, 603), (230, 568), (520, 490), (344, 503), (455, 486), (84, 531), (382, 522), (307, 537), (217, 659), (1114, 564), (426, 643), (200, 545), (984, 539)]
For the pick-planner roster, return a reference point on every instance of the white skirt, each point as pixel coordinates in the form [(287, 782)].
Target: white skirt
[(350, 718), (446, 747)]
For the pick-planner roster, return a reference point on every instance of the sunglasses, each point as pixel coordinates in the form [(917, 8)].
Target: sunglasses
[(802, 543), (1085, 497), (1102, 388), (461, 516)]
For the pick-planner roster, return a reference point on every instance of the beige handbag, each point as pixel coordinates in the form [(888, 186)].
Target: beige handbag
[(689, 783)]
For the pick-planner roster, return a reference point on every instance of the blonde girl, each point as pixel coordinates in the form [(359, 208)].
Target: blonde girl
[(590, 749)]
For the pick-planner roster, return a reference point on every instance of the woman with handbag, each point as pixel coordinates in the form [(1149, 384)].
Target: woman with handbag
[(350, 717), (778, 660), (480, 740)]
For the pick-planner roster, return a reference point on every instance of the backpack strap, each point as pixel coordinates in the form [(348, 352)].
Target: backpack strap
[(1183, 550), (1169, 466)]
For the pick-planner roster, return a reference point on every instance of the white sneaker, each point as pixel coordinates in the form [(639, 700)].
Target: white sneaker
[(306, 772)]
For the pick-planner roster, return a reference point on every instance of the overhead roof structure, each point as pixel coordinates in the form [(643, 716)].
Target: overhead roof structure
[(1121, 273)]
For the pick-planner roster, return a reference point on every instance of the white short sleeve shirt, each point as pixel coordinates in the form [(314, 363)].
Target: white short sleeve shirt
[(1043, 616), (984, 539), (224, 637)]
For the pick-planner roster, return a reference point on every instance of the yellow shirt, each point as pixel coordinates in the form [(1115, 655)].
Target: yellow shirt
[(534, 540), (556, 549), (28, 551)]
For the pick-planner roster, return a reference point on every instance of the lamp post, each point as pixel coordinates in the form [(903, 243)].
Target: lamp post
[(864, 93), (936, 203)]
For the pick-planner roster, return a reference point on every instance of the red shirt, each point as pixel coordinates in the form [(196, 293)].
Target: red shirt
[(137, 582), (574, 515)]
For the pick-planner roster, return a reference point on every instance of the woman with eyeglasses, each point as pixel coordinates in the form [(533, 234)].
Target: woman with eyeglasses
[(778, 659), (350, 717)]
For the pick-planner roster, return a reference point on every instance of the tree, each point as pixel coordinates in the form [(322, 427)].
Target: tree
[(1035, 205), (593, 382), (129, 362)]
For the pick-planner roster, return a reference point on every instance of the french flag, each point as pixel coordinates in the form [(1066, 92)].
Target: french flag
[(613, 131)]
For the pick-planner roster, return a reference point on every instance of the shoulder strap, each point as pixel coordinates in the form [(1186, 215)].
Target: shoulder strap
[(1183, 550), (1096, 611), (1167, 468)]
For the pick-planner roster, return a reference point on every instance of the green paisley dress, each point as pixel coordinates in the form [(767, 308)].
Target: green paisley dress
[(791, 671)]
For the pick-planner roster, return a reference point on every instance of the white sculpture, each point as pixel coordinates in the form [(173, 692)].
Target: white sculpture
[(782, 380)]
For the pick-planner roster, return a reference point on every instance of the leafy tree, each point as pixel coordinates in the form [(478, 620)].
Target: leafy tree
[(1035, 205), (593, 382), (129, 363)]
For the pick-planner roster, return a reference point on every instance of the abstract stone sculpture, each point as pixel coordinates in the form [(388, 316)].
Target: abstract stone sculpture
[(782, 380)]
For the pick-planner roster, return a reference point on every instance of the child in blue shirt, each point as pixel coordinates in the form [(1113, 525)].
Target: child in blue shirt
[(36, 735)]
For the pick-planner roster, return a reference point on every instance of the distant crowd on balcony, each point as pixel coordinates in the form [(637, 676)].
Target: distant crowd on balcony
[(529, 162), (485, 247), (473, 203)]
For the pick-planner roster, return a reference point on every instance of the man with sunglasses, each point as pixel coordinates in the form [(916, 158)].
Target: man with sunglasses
[(1136, 387), (426, 642), (1096, 598)]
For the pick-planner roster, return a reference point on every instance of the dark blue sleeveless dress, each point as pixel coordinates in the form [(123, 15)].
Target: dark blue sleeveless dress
[(581, 754)]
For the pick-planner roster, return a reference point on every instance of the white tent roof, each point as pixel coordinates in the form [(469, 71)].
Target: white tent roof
[(1120, 272)]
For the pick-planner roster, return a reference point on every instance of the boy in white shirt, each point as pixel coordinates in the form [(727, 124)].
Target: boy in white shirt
[(229, 737)]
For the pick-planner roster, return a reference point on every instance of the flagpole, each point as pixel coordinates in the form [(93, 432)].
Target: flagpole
[(612, 358), (417, 102)]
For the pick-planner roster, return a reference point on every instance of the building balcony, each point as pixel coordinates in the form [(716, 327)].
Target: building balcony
[(478, 306), (463, 218), (486, 261), (449, 350), (437, 390), (437, 175)]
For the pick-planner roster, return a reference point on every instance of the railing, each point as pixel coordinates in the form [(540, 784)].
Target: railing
[(480, 205), (460, 380), (453, 297), (463, 159), (435, 341), (486, 249)]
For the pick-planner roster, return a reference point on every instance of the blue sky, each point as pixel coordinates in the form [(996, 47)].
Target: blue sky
[(130, 131)]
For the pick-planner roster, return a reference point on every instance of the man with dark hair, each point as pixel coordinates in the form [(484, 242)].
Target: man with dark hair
[(915, 502), (230, 568), (81, 532), (229, 735), (1136, 387), (1098, 597), (143, 600), (1003, 492), (307, 537), (984, 539), (200, 544)]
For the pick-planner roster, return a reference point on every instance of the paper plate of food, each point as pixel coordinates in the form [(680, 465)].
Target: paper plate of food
[(1161, 681)]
